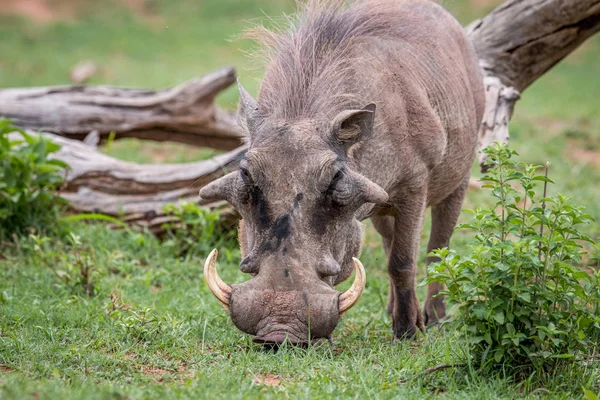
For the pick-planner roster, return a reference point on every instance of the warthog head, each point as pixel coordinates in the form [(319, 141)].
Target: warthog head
[(298, 194)]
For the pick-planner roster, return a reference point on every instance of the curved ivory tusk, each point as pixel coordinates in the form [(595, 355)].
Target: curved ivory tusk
[(220, 289), (350, 297)]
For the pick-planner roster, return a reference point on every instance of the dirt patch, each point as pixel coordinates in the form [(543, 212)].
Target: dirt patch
[(155, 289), (144, 10), (552, 127), (583, 147), (38, 10), (485, 4), (178, 374), (585, 156), (44, 11), (266, 380), (5, 370)]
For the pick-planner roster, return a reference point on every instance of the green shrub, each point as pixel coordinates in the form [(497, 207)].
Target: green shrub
[(28, 182), (196, 231), (524, 297)]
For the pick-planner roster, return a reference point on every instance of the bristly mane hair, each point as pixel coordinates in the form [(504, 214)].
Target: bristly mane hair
[(312, 63)]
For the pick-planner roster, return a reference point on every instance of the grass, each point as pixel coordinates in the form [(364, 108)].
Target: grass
[(163, 334), (170, 338)]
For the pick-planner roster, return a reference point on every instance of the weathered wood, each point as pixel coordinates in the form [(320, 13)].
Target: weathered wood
[(102, 173), (184, 113), (499, 105), (100, 183), (517, 43), (520, 40), (137, 193)]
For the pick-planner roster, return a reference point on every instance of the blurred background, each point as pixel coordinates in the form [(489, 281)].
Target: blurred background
[(151, 328), (160, 43)]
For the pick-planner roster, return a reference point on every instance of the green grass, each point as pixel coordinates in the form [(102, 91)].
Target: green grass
[(57, 343)]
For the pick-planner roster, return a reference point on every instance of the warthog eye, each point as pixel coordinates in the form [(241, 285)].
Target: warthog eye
[(338, 175), (246, 176), (340, 190)]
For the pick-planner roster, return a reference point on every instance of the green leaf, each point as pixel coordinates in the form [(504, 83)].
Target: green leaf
[(60, 163), (589, 395), (542, 178), (498, 355), (96, 217), (48, 168), (499, 317), (565, 355), (525, 296), (51, 147)]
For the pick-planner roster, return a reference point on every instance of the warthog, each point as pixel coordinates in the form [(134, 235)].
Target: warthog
[(368, 110)]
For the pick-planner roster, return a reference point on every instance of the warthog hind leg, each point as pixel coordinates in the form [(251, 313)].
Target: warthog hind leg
[(443, 220)]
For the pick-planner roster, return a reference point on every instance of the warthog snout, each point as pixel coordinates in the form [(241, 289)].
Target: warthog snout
[(299, 309)]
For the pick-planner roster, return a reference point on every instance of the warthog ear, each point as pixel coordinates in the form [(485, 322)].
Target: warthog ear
[(220, 189), (247, 116), (350, 126)]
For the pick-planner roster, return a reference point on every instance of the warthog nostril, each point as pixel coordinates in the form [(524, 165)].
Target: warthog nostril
[(329, 267), (249, 265)]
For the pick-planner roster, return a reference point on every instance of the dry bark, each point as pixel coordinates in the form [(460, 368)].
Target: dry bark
[(184, 113), (137, 192), (517, 43)]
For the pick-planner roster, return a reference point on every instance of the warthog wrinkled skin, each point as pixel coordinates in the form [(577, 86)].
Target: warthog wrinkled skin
[(366, 111)]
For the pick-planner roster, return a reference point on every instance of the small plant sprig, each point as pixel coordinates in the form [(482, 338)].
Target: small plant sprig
[(73, 264), (195, 230), (28, 182), (522, 297), (146, 325)]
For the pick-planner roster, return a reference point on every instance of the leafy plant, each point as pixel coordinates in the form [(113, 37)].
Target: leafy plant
[(28, 182), (523, 299), (145, 325), (195, 230), (74, 265)]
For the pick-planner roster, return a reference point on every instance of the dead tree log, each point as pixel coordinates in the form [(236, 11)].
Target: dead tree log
[(185, 113), (138, 193), (517, 43)]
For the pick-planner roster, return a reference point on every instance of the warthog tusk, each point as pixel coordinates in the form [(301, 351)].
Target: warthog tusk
[(220, 289), (350, 297)]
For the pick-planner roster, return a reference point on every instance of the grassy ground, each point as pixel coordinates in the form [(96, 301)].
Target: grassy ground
[(163, 334)]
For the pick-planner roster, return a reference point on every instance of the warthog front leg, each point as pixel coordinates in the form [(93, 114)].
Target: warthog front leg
[(384, 225), (405, 310)]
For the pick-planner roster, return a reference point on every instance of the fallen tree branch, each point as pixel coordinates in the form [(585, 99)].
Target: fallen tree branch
[(185, 113), (517, 43), (101, 173), (137, 193)]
